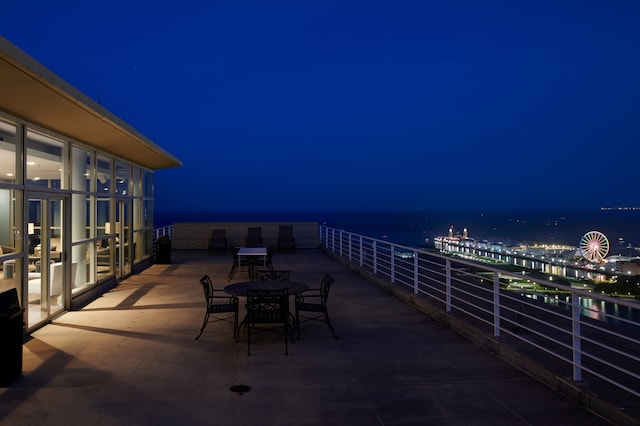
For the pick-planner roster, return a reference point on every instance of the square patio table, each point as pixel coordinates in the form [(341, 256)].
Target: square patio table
[(252, 254)]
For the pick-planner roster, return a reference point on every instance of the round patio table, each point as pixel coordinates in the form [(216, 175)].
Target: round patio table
[(240, 289)]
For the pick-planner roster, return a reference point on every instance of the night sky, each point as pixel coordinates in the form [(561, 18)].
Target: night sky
[(312, 105)]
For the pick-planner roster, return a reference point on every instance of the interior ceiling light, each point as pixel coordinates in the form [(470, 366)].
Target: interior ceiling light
[(31, 163)]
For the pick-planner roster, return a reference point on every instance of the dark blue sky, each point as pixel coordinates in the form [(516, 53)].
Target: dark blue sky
[(372, 104)]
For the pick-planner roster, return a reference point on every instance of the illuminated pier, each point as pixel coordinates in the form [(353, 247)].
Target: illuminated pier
[(554, 259)]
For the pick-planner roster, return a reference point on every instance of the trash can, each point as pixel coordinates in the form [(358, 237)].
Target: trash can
[(163, 250), (11, 336)]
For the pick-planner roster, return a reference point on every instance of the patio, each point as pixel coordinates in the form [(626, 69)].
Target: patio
[(130, 357)]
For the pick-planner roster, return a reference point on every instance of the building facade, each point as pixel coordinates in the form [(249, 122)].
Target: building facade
[(76, 191)]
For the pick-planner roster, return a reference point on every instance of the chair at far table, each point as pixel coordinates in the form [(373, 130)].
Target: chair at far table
[(286, 241), (254, 237), (238, 263), (217, 310), (273, 275), (218, 241), (267, 262), (268, 307), (269, 259), (318, 307)]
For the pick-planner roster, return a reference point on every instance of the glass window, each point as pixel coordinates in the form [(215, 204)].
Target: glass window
[(81, 221), (123, 178), (7, 152), (103, 175), (137, 188), (10, 240), (147, 205), (44, 161), (11, 275), (81, 255), (147, 213), (148, 243), (103, 219), (103, 259), (81, 167), (137, 246), (147, 181), (137, 214), (34, 227)]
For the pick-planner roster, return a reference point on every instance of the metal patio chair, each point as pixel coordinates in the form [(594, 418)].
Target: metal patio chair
[(218, 306), (270, 309), (238, 263), (218, 241), (254, 237), (273, 275), (314, 300), (286, 241)]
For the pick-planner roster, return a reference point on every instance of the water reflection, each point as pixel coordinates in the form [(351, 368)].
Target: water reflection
[(600, 310)]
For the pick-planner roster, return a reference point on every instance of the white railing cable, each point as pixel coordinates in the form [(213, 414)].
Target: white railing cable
[(160, 232)]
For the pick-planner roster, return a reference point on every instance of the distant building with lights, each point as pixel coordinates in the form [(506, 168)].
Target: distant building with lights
[(628, 267)]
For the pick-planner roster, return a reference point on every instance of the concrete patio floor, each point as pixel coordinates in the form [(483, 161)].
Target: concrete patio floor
[(130, 358)]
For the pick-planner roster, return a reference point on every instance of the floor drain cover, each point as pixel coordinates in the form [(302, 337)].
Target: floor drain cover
[(240, 389)]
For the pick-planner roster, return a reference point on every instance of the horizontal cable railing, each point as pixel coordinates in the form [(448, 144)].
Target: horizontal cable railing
[(579, 334), (165, 230)]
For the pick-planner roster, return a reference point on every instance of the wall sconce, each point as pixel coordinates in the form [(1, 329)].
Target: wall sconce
[(107, 228), (31, 228)]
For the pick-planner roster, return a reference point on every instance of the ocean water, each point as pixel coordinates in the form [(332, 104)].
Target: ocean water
[(419, 227)]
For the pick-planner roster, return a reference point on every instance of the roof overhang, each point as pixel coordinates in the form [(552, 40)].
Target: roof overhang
[(31, 92)]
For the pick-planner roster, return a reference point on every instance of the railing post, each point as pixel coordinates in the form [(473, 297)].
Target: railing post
[(447, 289), (349, 245), (575, 333), (340, 242), (393, 264), (416, 276), (375, 257), (361, 252), (333, 240), (496, 304)]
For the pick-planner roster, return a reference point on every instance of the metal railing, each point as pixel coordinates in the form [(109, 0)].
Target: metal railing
[(159, 232), (583, 335)]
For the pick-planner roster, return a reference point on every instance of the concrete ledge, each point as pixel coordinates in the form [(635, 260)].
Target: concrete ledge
[(566, 387), (189, 236)]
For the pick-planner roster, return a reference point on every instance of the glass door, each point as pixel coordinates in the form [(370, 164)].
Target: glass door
[(47, 282)]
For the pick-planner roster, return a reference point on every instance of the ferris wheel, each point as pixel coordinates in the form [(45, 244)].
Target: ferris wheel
[(594, 246)]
